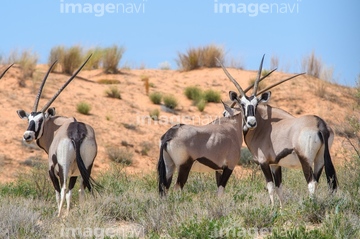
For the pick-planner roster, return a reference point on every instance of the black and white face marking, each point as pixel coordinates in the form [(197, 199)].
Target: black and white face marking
[(248, 107), (36, 125)]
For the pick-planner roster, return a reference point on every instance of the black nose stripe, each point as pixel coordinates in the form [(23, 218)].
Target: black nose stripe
[(250, 110)]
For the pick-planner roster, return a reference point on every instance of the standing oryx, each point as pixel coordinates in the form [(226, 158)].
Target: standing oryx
[(216, 146), (70, 145), (277, 139)]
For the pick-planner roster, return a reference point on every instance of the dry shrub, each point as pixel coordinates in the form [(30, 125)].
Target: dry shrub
[(209, 55), (27, 61), (111, 59), (190, 60), (72, 59), (57, 53), (312, 65), (195, 58), (95, 59)]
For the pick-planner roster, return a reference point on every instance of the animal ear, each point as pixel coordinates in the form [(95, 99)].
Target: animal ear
[(265, 97), (228, 111), (51, 111), (233, 95), (22, 114)]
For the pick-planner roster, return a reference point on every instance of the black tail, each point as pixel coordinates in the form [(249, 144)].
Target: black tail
[(162, 171), (329, 167), (77, 132)]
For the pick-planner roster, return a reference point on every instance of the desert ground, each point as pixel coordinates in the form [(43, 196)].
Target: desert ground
[(125, 122)]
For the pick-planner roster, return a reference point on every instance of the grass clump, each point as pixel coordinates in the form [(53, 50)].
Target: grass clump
[(209, 55), (111, 59), (193, 93), (212, 96), (156, 98), (108, 81), (154, 114), (83, 108), (170, 101), (72, 59), (195, 58), (312, 65), (27, 61), (57, 53), (200, 105), (120, 155), (113, 92)]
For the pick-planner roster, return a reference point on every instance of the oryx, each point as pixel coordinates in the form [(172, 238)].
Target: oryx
[(216, 146), (70, 145), (277, 139), (7, 68)]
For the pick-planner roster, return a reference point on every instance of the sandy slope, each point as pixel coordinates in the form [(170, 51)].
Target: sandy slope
[(118, 122)]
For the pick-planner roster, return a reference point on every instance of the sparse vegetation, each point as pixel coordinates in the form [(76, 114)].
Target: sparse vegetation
[(200, 105), (112, 57), (108, 81), (131, 204), (170, 101), (312, 65), (72, 59), (154, 114), (156, 98), (193, 93), (120, 155), (95, 60), (200, 98), (212, 96), (113, 92), (195, 58), (83, 108), (27, 61)]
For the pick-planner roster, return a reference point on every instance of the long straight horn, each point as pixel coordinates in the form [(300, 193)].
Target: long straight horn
[(258, 76), (280, 82), (238, 87), (262, 78), (63, 87), (37, 99), (6, 70)]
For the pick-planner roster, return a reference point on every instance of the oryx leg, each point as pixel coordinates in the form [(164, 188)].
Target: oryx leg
[(309, 175), (63, 187), (170, 169), (269, 181), (223, 180), (184, 171), (55, 181), (319, 163), (69, 192), (218, 177), (277, 176)]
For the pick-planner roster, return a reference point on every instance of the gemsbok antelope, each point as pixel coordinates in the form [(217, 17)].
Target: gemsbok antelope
[(214, 146), (277, 139), (70, 145), (7, 68)]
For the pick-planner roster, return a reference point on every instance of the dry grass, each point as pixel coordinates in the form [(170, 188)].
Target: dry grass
[(312, 65), (195, 58), (27, 61), (111, 59)]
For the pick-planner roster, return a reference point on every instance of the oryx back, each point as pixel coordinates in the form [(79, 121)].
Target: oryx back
[(215, 146)]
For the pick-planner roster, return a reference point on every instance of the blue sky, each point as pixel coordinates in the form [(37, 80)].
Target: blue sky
[(154, 31)]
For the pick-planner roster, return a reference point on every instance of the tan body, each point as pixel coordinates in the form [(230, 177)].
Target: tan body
[(70, 145), (215, 146)]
